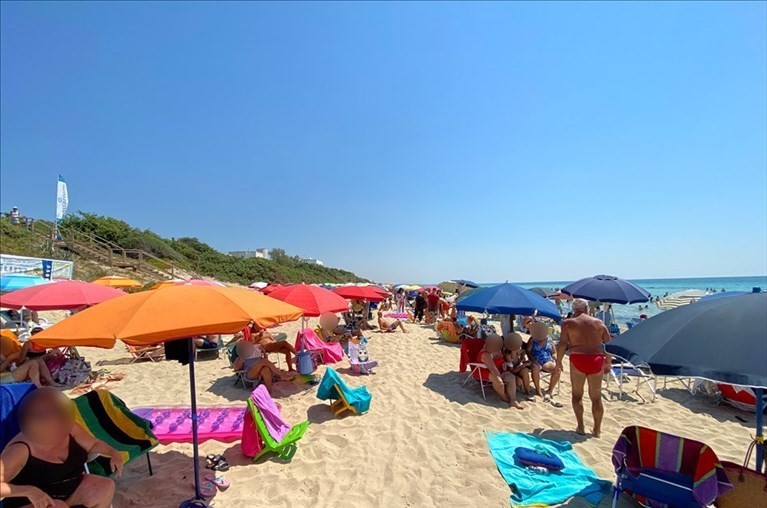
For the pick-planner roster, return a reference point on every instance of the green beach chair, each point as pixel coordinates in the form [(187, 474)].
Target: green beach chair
[(106, 417), (285, 448)]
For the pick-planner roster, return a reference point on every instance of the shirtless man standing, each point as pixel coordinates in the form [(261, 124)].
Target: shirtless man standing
[(584, 336)]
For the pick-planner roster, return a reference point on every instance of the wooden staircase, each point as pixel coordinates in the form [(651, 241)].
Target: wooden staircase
[(100, 250)]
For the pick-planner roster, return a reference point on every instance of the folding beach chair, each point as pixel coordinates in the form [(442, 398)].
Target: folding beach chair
[(240, 376), (660, 470), (447, 332), (209, 351), (152, 353), (326, 353), (470, 349), (342, 398), (286, 447), (105, 417), (622, 369)]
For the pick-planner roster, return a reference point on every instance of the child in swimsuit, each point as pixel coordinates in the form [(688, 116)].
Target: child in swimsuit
[(516, 360)]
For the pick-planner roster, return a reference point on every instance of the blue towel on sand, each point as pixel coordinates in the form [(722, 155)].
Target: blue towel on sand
[(530, 487), (358, 398), (10, 397)]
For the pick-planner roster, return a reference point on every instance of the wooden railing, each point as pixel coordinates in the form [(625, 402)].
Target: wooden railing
[(91, 245)]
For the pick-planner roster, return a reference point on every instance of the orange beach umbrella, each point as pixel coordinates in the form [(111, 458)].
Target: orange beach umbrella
[(151, 317), (115, 281), (176, 312)]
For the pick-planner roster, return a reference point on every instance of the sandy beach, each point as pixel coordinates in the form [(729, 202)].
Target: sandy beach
[(421, 444)]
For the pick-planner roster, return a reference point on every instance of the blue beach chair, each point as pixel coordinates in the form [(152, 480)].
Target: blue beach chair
[(341, 396)]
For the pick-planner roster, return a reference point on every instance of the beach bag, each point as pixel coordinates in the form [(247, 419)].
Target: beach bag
[(251, 443), (73, 372), (749, 487), (304, 362), (530, 457)]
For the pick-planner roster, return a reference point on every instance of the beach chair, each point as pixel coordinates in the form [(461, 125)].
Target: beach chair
[(152, 353), (209, 351), (323, 352), (240, 376), (105, 417), (342, 398), (285, 447), (659, 469), (622, 369), (446, 331), (470, 350)]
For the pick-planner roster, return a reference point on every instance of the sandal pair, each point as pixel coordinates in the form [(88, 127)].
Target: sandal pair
[(217, 463)]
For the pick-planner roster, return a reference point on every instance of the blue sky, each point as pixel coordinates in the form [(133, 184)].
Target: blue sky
[(488, 141)]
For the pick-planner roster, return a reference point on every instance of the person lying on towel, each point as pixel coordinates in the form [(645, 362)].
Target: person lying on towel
[(43, 466)]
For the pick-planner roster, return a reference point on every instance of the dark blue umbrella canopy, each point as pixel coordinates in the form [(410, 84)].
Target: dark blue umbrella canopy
[(467, 283), (607, 289), (508, 299), (714, 296), (721, 339), (544, 292)]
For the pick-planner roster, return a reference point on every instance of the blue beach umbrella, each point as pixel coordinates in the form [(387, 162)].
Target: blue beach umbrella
[(14, 281), (721, 339), (607, 289), (508, 299)]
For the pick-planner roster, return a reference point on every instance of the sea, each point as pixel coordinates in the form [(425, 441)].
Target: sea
[(661, 287)]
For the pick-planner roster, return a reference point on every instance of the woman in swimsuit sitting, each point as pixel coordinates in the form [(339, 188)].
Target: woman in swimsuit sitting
[(43, 466), (264, 339), (251, 358), (504, 383), (541, 350)]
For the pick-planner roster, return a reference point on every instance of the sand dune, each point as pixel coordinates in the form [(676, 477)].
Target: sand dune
[(421, 444)]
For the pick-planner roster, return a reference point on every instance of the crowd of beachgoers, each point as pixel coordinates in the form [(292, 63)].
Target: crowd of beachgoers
[(436, 377)]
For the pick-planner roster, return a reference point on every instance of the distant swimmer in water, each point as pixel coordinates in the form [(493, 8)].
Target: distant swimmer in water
[(585, 336)]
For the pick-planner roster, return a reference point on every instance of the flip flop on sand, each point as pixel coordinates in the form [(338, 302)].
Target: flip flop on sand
[(556, 404), (208, 489), (219, 481)]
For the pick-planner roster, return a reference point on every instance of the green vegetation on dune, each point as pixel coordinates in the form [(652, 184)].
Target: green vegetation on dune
[(201, 258)]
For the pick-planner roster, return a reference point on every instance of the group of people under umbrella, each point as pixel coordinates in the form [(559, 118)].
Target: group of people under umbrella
[(720, 339)]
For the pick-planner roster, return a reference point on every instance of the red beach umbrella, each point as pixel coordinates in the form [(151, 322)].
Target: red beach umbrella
[(313, 300), (268, 289), (368, 293), (63, 295)]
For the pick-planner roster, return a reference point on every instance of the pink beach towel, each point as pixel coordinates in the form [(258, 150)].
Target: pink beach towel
[(332, 352), (276, 426)]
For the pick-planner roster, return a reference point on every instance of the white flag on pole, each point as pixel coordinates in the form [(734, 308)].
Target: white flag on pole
[(62, 199)]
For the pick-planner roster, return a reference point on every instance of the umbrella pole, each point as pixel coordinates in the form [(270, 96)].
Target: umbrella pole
[(195, 442), (759, 392)]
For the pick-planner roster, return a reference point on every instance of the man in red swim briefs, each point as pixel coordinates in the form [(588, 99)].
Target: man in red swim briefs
[(584, 336)]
